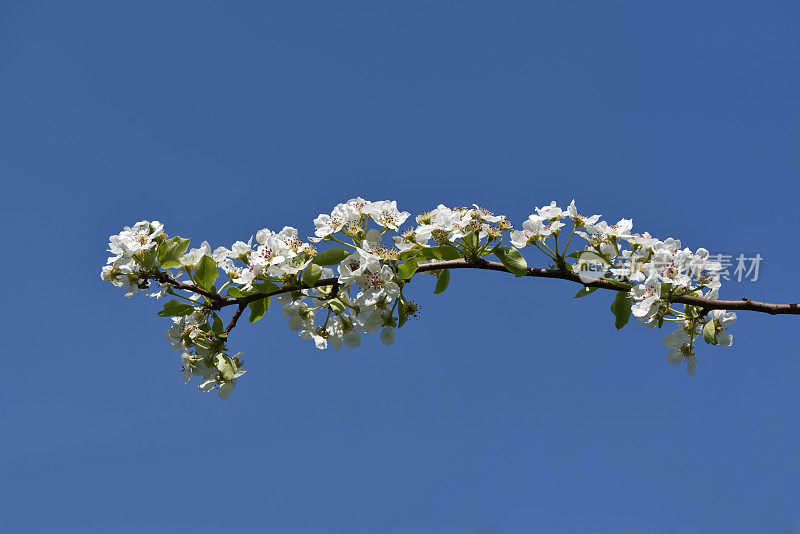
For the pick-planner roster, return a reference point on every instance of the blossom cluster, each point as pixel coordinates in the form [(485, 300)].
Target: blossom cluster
[(355, 287), (654, 271), (122, 269)]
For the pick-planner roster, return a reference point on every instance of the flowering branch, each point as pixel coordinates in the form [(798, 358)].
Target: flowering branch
[(745, 304), (650, 277)]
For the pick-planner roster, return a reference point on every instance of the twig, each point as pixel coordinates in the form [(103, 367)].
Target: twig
[(706, 305)]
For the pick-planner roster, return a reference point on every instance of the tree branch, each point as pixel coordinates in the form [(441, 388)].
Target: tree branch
[(705, 304), (699, 302), (164, 278), (236, 315)]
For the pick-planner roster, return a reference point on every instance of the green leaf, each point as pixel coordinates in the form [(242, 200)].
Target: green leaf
[(449, 252), (444, 252), (206, 272), (621, 308), (590, 255), (402, 316), (408, 254), (337, 306), (258, 308), (617, 283), (226, 366), (442, 281), (666, 288), (332, 256), (170, 251), (489, 251), (470, 240), (216, 325), (174, 308), (408, 268), (147, 258), (586, 290), (236, 292), (512, 260), (266, 287), (710, 332), (312, 274)]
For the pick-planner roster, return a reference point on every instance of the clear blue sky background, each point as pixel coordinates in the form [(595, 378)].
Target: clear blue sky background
[(509, 407)]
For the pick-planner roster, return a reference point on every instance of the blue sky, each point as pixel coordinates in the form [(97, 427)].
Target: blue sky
[(509, 407)]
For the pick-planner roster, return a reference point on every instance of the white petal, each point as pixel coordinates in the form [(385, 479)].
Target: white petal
[(674, 357), (352, 339), (387, 335), (226, 389), (724, 339), (207, 385)]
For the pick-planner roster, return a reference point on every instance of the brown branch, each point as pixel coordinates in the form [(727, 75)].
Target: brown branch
[(700, 302), (164, 278), (236, 315), (705, 304)]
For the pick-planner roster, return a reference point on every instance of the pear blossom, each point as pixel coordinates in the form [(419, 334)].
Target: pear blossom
[(677, 341), (341, 215), (352, 268), (299, 314), (723, 319), (579, 220), (137, 239), (191, 258), (646, 298), (320, 341), (369, 320), (386, 214), (377, 285), (536, 228), (549, 212)]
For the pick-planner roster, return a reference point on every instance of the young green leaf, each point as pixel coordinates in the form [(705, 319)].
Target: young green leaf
[(216, 325), (226, 366), (442, 281), (258, 308), (512, 260), (586, 290), (236, 292), (621, 308), (332, 256), (265, 287), (470, 240), (710, 332), (206, 272), (147, 258), (337, 306), (591, 256), (312, 274), (617, 283), (408, 268), (413, 253), (174, 308), (170, 251), (402, 316), (444, 252)]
